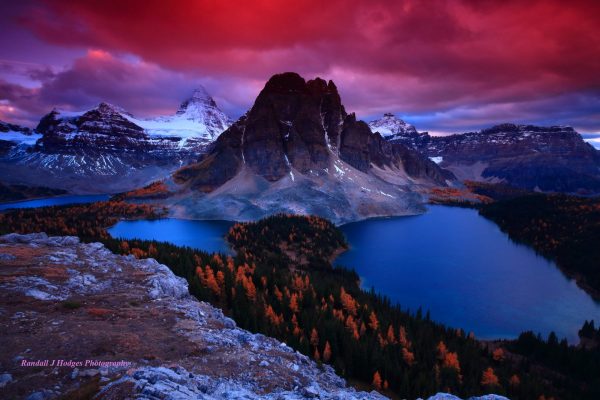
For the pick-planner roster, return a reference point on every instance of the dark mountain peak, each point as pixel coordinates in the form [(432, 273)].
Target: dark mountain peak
[(294, 126), (504, 127), (285, 83), (200, 94), (48, 122), (351, 118), (105, 108), (7, 127), (514, 128), (197, 102), (291, 83)]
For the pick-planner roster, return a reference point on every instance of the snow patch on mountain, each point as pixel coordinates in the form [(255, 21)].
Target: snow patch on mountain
[(390, 125), (108, 144), (20, 137)]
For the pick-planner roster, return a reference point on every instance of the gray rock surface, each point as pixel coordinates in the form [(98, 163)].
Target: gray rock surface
[(141, 308)]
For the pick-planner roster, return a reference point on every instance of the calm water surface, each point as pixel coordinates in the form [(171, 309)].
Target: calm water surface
[(55, 201), (450, 261), (203, 235), (468, 273)]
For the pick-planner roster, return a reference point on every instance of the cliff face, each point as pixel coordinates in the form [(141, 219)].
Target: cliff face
[(298, 151), (302, 126), (141, 332)]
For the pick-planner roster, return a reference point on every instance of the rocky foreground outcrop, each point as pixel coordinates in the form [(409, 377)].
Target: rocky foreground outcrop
[(78, 320), (140, 331)]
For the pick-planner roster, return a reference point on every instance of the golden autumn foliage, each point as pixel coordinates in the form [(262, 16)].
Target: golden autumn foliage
[(373, 322), (314, 337), (514, 381), (125, 247), (348, 303), (138, 253), (446, 195), (209, 280), (294, 303), (153, 190), (498, 354), (451, 361), (232, 280), (377, 380), (316, 355), (402, 337), (408, 356), (152, 252), (272, 316), (352, 327), (249, 288), (278, 293), (391, 338), (327, 352), (489, 378)]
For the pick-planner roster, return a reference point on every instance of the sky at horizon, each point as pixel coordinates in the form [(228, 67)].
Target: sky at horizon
[(444, 66)]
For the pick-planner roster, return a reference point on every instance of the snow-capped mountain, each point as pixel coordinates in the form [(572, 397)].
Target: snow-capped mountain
[(110, 145), (298, 151), (197, 120), (554, 158), (389, 126)]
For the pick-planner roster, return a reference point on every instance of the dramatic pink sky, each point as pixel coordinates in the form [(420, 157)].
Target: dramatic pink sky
[(446, 66)]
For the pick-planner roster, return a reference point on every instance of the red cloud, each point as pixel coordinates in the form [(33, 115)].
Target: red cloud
[(410, 56), (141, 88)]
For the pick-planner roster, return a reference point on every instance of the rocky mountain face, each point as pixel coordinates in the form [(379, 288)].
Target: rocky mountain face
[(552, 158), (11, 135), (108, 144), (297, 150), (5, 127), (202, 109), (390, 126)]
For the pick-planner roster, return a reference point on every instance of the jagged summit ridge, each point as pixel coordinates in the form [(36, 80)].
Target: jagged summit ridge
[(297, 150), (390, 125), (199, 97), (201, 109), (109, 144), (553, 158)]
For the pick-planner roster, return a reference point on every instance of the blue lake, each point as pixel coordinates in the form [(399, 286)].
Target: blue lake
[(450, 261), (202, 235), (55, 201), (468, 273)]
